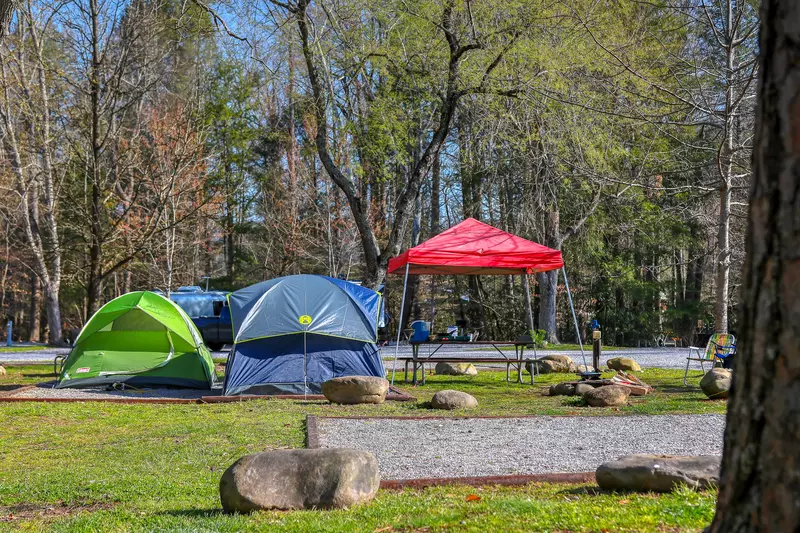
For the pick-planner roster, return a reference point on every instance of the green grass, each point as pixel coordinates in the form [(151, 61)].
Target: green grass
[(12, 349), (96, 466)]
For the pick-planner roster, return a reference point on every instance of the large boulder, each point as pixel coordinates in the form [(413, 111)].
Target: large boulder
[(453, 399), (608, 396), (658, 473), (562, 389), (626, 364), (552, 364), (356, 389), (582, 388), (456, 369), (299, 479), (716, 383)]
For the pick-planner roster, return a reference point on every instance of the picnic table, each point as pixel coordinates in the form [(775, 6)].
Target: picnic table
[(418, 363)]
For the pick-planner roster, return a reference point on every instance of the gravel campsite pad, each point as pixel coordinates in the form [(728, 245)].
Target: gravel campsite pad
[(46, 390), (447, 447)]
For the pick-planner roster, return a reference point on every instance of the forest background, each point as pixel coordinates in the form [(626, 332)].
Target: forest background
[(151, 143)]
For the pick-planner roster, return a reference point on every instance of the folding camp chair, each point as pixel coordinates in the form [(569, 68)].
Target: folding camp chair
[(720, 346)]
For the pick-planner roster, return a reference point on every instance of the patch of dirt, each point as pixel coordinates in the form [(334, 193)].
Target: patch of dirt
[(28, 511), (10, 389)]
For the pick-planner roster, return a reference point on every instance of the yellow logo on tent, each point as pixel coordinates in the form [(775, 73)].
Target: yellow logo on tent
[(305, 320)]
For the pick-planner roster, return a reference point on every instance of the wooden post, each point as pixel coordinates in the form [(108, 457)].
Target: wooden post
[(596, 347)]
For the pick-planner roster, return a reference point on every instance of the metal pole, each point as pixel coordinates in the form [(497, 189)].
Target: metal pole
[(305, 365), (9, 327), (529, 305), (526, 287), (574, 317), (433, 299), (400, 323)]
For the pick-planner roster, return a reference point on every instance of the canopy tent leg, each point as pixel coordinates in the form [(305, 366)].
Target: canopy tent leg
[(528, 305), (529, 315), (400, 324), (574, 317), (433, 300)]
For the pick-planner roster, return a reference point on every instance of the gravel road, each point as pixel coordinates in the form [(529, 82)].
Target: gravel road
[(447, 447), (646, 357)]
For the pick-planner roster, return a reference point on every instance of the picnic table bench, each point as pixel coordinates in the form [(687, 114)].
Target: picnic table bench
[(518, 361)]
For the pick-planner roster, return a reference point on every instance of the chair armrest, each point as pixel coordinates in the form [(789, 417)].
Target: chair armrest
[(695, 350)]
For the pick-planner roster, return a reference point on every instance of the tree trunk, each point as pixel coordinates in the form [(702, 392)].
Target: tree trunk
[(436, 200), (761, 461), (94, 286), (723, 260), (548, 282), (34, 319), (53, 311), (413, 281)]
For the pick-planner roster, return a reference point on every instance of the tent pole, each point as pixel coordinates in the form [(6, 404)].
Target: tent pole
[(400, 323), (574, 317), (305, 366)]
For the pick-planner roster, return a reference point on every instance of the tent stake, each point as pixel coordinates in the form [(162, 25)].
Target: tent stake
[(574, 317), (400, 324)]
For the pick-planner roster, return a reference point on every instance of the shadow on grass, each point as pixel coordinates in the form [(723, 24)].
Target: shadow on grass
[(585, 490), (40, 375), (676, 389), (471, 383), (194, 513)]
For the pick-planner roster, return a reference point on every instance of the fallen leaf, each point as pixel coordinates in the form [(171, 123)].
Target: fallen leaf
[(473, 498), (623, 502), (387, 528)]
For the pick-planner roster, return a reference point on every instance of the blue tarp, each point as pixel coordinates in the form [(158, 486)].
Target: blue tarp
[(293, 333)]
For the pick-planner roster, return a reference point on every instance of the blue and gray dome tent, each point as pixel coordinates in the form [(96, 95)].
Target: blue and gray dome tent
[(293, 333)]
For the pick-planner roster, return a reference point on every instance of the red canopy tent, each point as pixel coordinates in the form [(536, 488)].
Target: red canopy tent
[(475, 248)]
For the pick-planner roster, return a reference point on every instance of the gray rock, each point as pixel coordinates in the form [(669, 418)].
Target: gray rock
[(456, 369), (658, 473), (716, 383), (583, 368), (453, 399), (299, 479), (2, 370), (356, 389), (582, 388), (552, 364), (608, 396), (564, 360), (562, 389), (626, 364)]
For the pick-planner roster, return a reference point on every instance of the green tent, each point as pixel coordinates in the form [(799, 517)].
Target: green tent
[(140, 338)]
